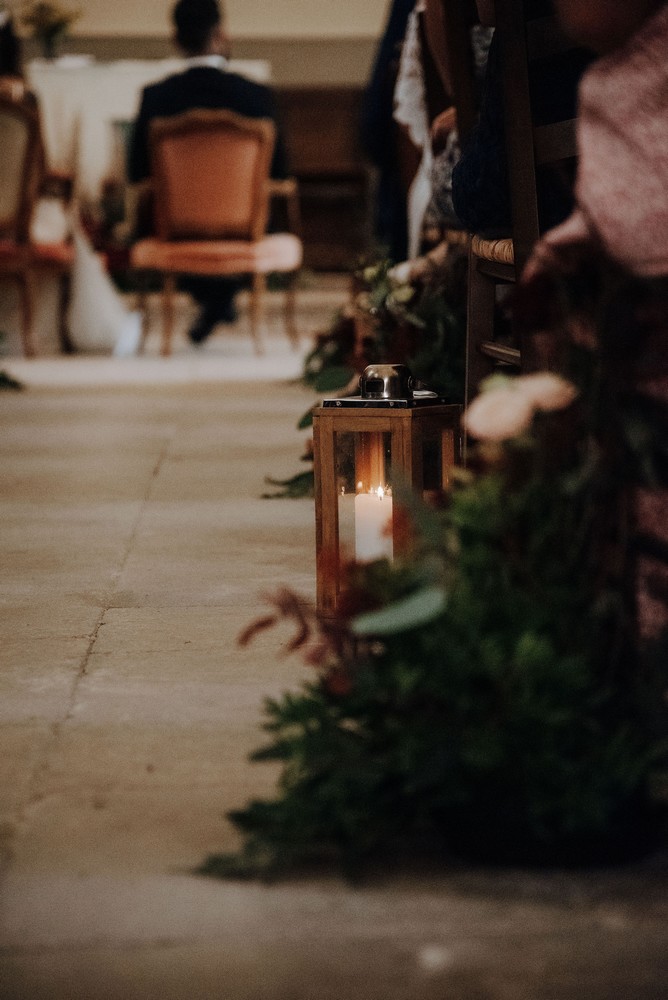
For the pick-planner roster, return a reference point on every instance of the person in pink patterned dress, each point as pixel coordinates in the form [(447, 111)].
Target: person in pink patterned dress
[(617, 236)]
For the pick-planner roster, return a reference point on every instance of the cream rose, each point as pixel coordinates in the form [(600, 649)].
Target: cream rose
[(507, 407), (498, 414), (546, 391)]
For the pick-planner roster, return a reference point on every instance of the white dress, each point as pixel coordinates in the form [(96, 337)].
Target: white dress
[(410, 110)]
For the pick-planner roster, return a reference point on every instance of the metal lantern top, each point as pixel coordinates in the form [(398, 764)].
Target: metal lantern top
[(386, 382), (386, 386)]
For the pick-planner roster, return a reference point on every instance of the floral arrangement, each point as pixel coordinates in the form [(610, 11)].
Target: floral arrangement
[(498, 695), (392, 320), (48, 22), (486, 698)]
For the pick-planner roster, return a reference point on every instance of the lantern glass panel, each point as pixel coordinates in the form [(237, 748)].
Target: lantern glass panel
[(363, 477), (437, 458)]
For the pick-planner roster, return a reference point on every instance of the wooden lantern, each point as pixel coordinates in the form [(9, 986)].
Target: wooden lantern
[(360, 446)]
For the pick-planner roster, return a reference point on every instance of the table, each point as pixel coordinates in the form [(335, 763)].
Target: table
[(84, 105)]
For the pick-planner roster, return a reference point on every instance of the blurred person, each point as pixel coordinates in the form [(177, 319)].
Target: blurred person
[(205, 82), (622, 182), (600, 279), (379, 137)]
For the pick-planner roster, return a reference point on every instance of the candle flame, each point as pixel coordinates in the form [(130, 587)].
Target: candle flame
[(380, 492)]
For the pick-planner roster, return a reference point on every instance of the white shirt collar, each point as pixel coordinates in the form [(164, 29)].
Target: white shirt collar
[(214, 61)]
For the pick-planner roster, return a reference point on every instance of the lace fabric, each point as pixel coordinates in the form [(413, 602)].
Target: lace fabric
[(410, 110)]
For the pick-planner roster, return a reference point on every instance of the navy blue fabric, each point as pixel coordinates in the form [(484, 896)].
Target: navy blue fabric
[(480, 186), (201, 87), (378, 133)]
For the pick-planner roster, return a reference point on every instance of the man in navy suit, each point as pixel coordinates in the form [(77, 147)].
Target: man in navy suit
[(204, 83)]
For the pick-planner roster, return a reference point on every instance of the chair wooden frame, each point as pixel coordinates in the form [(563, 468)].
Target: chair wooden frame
[(20, 260), (458, 17), (247, 233), (528, 146)]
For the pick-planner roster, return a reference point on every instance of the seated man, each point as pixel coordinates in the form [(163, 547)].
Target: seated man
[(204, 83)]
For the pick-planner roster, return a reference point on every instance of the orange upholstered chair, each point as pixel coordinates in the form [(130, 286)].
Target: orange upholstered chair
[(211, 189), (21, 177)]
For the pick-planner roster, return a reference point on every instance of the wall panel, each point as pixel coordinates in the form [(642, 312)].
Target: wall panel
[(247, 18)]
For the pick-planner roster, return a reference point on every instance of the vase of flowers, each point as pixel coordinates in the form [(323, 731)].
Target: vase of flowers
[(48, 23)]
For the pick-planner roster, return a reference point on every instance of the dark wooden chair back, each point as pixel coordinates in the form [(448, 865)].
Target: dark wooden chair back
[(19, 174), (528, 36), (541, 155), (22, 175), (458, 18)]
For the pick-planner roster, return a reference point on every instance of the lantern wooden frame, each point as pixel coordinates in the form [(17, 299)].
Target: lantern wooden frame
[(408, 426)]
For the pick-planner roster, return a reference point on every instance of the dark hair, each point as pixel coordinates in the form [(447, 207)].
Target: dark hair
[(194, 21), (10, 50)]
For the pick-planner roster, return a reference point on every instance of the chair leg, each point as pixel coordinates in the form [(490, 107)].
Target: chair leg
[(26, 283), (142, 306), (257, 310), (289, 310), (479, 326), (64, 291), (168, 289)]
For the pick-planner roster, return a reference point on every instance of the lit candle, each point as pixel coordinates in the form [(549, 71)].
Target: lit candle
[(373, 526)]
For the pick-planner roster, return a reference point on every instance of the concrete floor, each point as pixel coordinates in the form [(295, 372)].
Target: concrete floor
[(135, 546)]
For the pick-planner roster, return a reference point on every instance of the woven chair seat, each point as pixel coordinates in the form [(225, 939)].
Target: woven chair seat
[(499, 251)]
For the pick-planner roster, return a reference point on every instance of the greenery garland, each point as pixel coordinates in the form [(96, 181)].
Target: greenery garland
[(488, 697), (482, 699), (421, 325)]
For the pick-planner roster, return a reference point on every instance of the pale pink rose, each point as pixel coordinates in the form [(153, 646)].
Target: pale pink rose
[(499, 413), (546, 391), (401, 274)]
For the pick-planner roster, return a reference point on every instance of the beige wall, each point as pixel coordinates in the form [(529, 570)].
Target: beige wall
[(307, 42), (247, 18)]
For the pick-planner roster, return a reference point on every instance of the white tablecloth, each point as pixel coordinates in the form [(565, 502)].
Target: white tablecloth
[(80, 100)]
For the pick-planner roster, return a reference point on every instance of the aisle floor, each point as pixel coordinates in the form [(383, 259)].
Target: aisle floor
[(135, 546)]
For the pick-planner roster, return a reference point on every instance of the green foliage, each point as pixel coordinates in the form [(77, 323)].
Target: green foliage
[(508, 722), (418, 608), (422, 326), (330, 365), (487, 696), (299, 485)]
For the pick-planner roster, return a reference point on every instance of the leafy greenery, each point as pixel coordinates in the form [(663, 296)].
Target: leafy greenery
[(493, 706), (421, 325), (487, 696)]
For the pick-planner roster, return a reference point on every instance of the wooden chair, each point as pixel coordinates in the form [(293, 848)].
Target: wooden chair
[(530, 147), (212, 190), (458, 16), (21, 180)]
